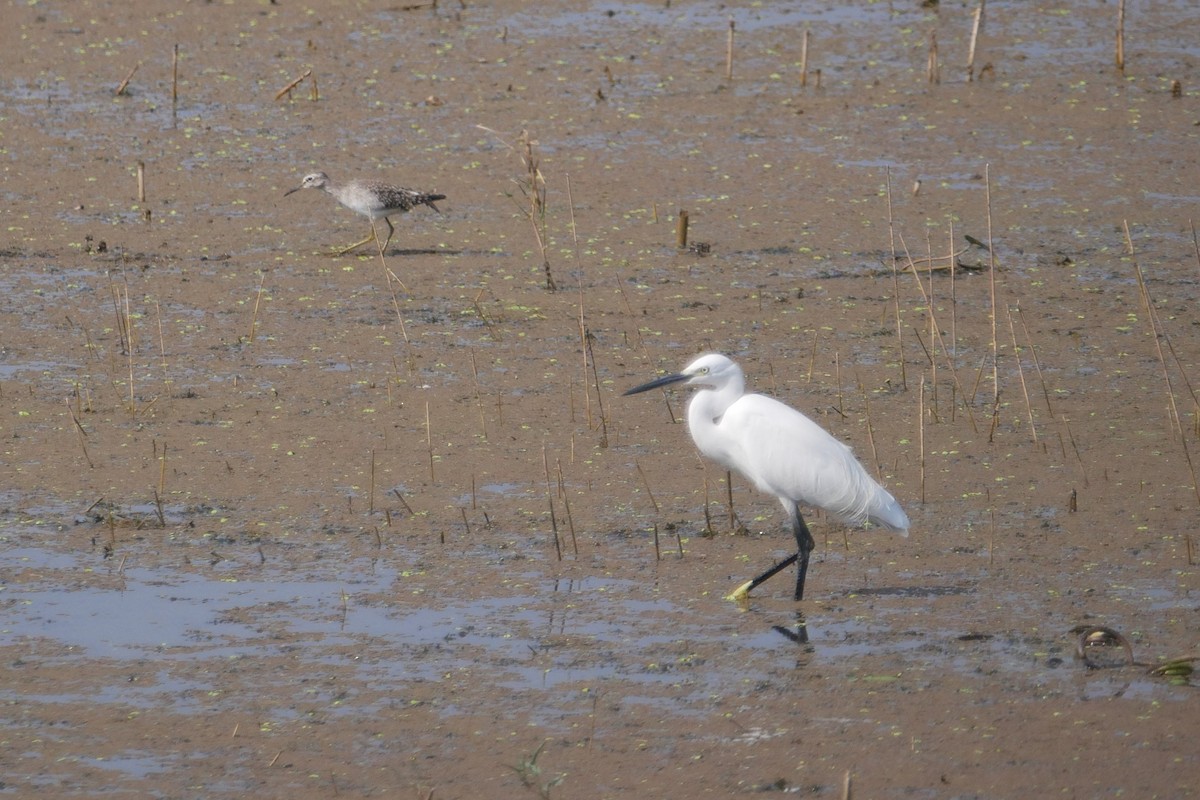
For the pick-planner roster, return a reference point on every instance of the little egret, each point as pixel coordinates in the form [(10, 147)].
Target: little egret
[(782, 452)]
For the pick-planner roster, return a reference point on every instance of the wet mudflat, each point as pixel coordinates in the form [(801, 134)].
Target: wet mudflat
[(281, 522)]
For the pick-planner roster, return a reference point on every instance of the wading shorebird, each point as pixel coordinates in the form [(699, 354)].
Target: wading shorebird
[(783, 453), (375, 200)]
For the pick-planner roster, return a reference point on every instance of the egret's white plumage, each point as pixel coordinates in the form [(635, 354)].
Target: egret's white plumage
[(782, 452)]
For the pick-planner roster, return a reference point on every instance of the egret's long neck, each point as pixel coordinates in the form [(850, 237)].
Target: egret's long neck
[(705, 411)]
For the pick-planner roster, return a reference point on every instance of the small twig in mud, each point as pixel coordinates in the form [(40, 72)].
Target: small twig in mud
[(287, 89), (122, 89)]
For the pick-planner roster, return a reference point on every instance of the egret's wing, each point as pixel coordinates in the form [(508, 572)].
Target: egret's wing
[(786, 454)]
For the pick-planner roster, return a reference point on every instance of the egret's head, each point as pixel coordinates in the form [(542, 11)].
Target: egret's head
[(709, 371)]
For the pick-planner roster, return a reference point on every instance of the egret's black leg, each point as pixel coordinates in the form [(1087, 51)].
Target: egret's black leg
[(804, 545), (780, 567)]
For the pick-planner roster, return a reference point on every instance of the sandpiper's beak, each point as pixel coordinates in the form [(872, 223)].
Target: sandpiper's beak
[(666, 380)]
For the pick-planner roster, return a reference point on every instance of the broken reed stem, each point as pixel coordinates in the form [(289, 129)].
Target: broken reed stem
[(681, 230), (257, 302), (657, 550), (175, 75), (1120, 54), (932, 73), (403, 502), (974, 40), (287, 89), (804, 59), (646, 482), (141, 181), (729, 52), (124, 85)]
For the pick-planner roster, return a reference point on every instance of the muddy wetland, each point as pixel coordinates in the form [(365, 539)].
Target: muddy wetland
[(278, 522)]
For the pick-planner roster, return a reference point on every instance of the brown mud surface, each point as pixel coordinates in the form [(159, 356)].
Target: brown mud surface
[(280, 523)]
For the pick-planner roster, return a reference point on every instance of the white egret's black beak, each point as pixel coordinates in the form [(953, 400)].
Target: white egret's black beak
[(666, 380)]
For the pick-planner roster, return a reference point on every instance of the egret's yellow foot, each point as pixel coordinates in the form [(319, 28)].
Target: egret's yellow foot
[(741, 593)]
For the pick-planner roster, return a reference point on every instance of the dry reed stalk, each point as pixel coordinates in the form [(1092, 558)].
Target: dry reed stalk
[(554, 528), (812, 359), (1120, 53), (729, 52), (895, 281), (657, 550), (584, 353), (574, 228), (1154, 331), (953, 295), (141, 181), (1187, 454), (257, 302), (1037, 364), (837, 378), (871, 439), (987, 186), (534, 187), (122, 89), (846, 786), (992, 539), (158, 511), (314, 94), (478, 396), (162, 471), (429, 441), (371, 490), (646, 483), (599, 397), (493, 331), (974, 40), (571, 526), (391, 277), (1021, 374), (292, 85), (175, 76), (466, 522), (921, 434), (804, 59), (681, 230), (403, 502), (82, 441)]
